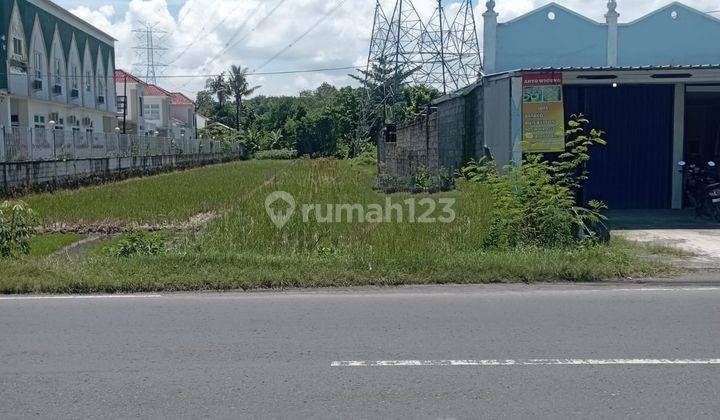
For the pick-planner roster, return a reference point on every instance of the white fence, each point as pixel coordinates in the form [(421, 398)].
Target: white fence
[(23, 144)]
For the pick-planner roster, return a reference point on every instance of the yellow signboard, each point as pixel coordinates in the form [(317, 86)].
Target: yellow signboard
[(543, 113)]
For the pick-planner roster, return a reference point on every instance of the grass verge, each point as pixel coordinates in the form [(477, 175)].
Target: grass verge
[(45, 245)]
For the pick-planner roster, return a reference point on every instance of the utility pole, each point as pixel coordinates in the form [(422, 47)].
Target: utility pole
[(125, 107), (149, 51)]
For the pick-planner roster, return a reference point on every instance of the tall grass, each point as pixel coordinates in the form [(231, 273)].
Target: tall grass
[(244, 249), (247, 228), (163, 198)]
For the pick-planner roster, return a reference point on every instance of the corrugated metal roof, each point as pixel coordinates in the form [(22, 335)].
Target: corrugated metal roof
[(618, 68), (460, 92), (467, 89)]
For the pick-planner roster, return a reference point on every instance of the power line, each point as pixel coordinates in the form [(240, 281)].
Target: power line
[(181, 19), (183, 76), (304, 34), (228, 46), (203, 34), (262, 21)]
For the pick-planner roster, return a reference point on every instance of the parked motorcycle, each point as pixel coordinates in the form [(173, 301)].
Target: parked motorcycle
[(702, 188)]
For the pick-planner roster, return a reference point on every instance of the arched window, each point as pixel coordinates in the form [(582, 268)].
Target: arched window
[(100, 80), (74, 72), (57, 69), (110, 85), (89, 84), (18, 57), (39, 62)]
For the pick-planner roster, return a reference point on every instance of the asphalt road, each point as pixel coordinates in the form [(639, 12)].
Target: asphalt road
[(270, 355)]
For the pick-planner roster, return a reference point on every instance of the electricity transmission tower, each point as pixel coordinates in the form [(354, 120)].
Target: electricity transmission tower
[(443, 53), (149, 51), (437, 52)]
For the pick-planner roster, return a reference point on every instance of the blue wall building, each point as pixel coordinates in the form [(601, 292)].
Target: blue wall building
[(554, 36), (652, 84)]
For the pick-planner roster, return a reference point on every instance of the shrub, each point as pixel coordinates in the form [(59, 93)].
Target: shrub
[(367, 157), (139, 244), (17, 226), (280, 154), (423, 179), (535, 203)]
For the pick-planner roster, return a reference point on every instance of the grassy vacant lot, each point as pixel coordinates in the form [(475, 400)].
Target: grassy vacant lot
[(164, 198), (241, 248)]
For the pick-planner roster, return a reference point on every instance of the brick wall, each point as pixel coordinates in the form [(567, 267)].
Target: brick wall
[(442, 143), (451, 132), (416, 149)]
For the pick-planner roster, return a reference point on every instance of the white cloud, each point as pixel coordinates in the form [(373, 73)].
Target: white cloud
[(234, 32)]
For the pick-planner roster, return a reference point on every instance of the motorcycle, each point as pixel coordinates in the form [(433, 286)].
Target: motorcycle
[(702, 188)]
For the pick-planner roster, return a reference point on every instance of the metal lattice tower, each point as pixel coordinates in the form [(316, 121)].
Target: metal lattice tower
[(149, 51), (445, 53), (463, 53)]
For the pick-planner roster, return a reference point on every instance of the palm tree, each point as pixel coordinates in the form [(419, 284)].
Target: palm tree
[(239, 88), (218, 86)]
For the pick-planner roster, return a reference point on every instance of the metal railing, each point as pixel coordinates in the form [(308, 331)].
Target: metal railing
[(26, 144)]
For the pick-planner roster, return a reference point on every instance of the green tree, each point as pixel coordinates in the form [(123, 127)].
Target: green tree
[(218, 86), (417, 98), (381, 82), (239, 88), (205, 104)]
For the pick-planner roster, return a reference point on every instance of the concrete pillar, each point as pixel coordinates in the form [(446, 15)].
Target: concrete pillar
[(611, 18), (490, 38), (678, 145), (516, 122), (4, 122), (3, 157)]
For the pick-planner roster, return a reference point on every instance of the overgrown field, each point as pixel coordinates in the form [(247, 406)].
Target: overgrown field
[(241, 248), (172, 197)]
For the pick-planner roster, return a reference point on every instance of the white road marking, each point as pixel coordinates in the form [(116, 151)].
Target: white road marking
[(665, 289), (57, 297), (528, 362)]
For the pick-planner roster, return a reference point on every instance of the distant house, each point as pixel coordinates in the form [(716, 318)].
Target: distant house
[(157, 109), (183, 115), (201, 121), (130, 111), (171, 114), (57, 69)]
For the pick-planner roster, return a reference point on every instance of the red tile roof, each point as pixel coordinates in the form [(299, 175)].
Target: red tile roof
[(178, 121), (180, 99), (152, 90), (122, 75)]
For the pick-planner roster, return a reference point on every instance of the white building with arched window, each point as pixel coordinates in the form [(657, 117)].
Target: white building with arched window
[(56, 67)]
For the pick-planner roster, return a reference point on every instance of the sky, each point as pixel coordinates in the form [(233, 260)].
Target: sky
[(204, 37)]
